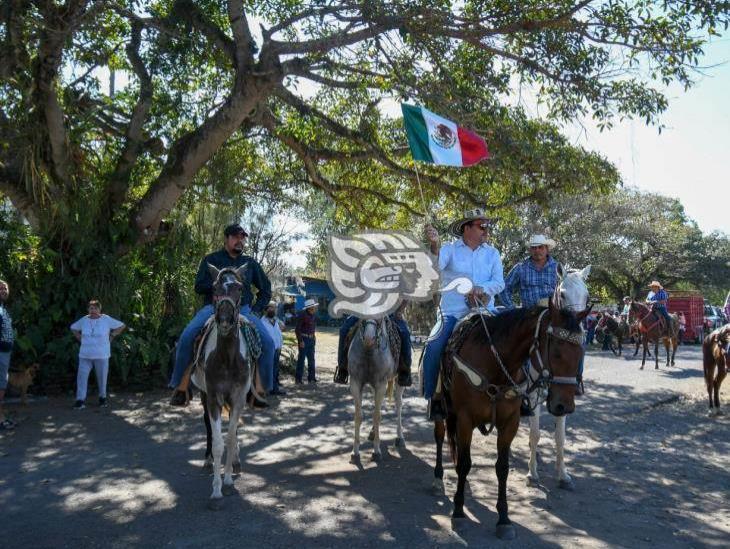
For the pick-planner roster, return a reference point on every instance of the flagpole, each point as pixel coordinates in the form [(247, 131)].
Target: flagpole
[(420, 189)]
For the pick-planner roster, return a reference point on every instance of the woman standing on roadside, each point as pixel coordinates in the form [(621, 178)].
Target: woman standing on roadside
[(95, 331)]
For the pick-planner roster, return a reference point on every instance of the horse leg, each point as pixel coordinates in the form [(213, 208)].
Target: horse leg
[(377, 414), (231, 450), (216, 498), (667, 348), (505, 436), (656, 354), (439, 430), (464, 430), (399, 440), (357, 397), (208, 460), (565, 480), (533, 478), (644, 344), (709, 368), (721, 373), (675, 344)]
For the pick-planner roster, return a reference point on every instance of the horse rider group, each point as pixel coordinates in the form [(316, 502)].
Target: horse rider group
[(468, 256)]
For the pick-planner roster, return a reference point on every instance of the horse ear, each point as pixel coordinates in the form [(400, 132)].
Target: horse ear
[(561, 271), (241, 272), (214, 272), (585, 272)]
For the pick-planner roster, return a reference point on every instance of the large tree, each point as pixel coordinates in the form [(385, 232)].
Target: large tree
[(304, 80)]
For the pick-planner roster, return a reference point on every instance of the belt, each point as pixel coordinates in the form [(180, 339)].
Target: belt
[(307, 335)]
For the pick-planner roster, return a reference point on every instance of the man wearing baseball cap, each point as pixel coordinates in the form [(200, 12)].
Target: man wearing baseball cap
[(231, 255)]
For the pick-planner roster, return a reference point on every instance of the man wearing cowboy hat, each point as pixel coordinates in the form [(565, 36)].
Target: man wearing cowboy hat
[(657, 298), (231, 255), (536, 277), (304, 330), (467, 257)]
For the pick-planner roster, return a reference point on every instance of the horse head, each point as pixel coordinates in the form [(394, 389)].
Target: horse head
[(227, 290), (572, 292), (371, 332), (562, 352)]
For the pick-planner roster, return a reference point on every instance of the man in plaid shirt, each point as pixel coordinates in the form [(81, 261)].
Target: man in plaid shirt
[(536, 277)]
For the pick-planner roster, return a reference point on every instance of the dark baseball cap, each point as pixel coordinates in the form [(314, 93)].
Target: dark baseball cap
[(234, 229)]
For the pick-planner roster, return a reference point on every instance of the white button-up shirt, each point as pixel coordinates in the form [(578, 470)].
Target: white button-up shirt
[(483, 266), (274, 328)]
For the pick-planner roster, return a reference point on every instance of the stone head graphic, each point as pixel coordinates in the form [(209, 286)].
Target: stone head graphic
[(372, 273)]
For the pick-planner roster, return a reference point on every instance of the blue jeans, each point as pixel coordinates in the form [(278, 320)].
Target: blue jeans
[(406, 351), (308, 353), (185, 346), (437, 341)]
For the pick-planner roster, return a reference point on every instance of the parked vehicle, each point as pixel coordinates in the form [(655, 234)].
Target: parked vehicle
[(713, 318)]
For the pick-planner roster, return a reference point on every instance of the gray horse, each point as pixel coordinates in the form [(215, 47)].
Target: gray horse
[(223, 375), (371, 362)]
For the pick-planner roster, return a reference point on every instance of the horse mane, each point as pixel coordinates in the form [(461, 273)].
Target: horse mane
[(502, 324)]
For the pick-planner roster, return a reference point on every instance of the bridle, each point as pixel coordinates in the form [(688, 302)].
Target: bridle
[(220, 300), (378, 330), (545, 371)]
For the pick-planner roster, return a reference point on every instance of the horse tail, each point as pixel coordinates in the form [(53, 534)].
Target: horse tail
[(390, 390), (451, 435)]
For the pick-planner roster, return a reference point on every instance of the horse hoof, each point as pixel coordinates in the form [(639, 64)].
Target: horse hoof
[(215, 504), (506, 531), (237, 468), (355, 459), (377, 457), (566, 484), (228, 489), (400, 442), (438, 487), (458, 514)]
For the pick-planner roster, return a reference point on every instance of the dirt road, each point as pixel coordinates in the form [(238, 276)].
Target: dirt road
[(650, 469)]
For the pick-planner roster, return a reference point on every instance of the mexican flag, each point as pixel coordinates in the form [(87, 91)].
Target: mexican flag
[(437, 140)]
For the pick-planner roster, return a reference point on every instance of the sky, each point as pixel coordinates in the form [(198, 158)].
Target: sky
[(690, 159)]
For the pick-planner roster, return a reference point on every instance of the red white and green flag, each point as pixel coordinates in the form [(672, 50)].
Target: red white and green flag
[(435, 139)]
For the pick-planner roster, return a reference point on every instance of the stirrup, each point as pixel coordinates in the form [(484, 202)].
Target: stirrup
[(181, 397), (405, 379)]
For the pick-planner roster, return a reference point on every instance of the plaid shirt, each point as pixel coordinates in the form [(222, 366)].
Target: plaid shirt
[(659, 299), (6, 326), (532, 283)]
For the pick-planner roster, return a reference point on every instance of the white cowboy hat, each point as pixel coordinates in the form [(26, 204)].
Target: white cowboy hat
[(655, 283), (272, 304), (541, 240), (457, 227), (310, 303)]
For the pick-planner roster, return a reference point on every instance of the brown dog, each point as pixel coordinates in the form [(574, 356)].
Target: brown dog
[(23, 380)]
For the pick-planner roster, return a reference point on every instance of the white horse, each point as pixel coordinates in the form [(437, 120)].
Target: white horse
[(371, 362), (573, 294)]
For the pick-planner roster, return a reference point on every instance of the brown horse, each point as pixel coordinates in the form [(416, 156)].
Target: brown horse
[(652, 328), (716, 354), (481, 385), (617, 330)]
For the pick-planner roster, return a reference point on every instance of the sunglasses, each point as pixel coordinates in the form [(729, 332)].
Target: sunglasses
[(483, 226)]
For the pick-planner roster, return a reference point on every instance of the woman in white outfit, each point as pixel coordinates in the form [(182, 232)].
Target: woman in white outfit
[(95, 331)]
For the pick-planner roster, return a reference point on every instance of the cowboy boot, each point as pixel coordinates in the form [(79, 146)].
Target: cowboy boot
[(341, 373), (525, 408), (404, 374), (183, 393), (436, 406)]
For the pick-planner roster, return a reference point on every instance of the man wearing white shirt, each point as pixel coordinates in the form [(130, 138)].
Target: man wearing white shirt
[(273, 326), (468, 257), (95, 331)]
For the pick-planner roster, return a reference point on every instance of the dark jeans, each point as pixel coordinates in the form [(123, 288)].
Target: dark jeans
[(406, 351), (590, 335), (277, 354), (308, 353)]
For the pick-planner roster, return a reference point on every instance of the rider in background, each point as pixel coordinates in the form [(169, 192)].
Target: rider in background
[(657, 298), (231, 255)]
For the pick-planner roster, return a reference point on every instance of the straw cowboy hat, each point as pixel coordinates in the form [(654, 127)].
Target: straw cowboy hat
[(541, 240), (310, 303), (655, 283), (457, 227)]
